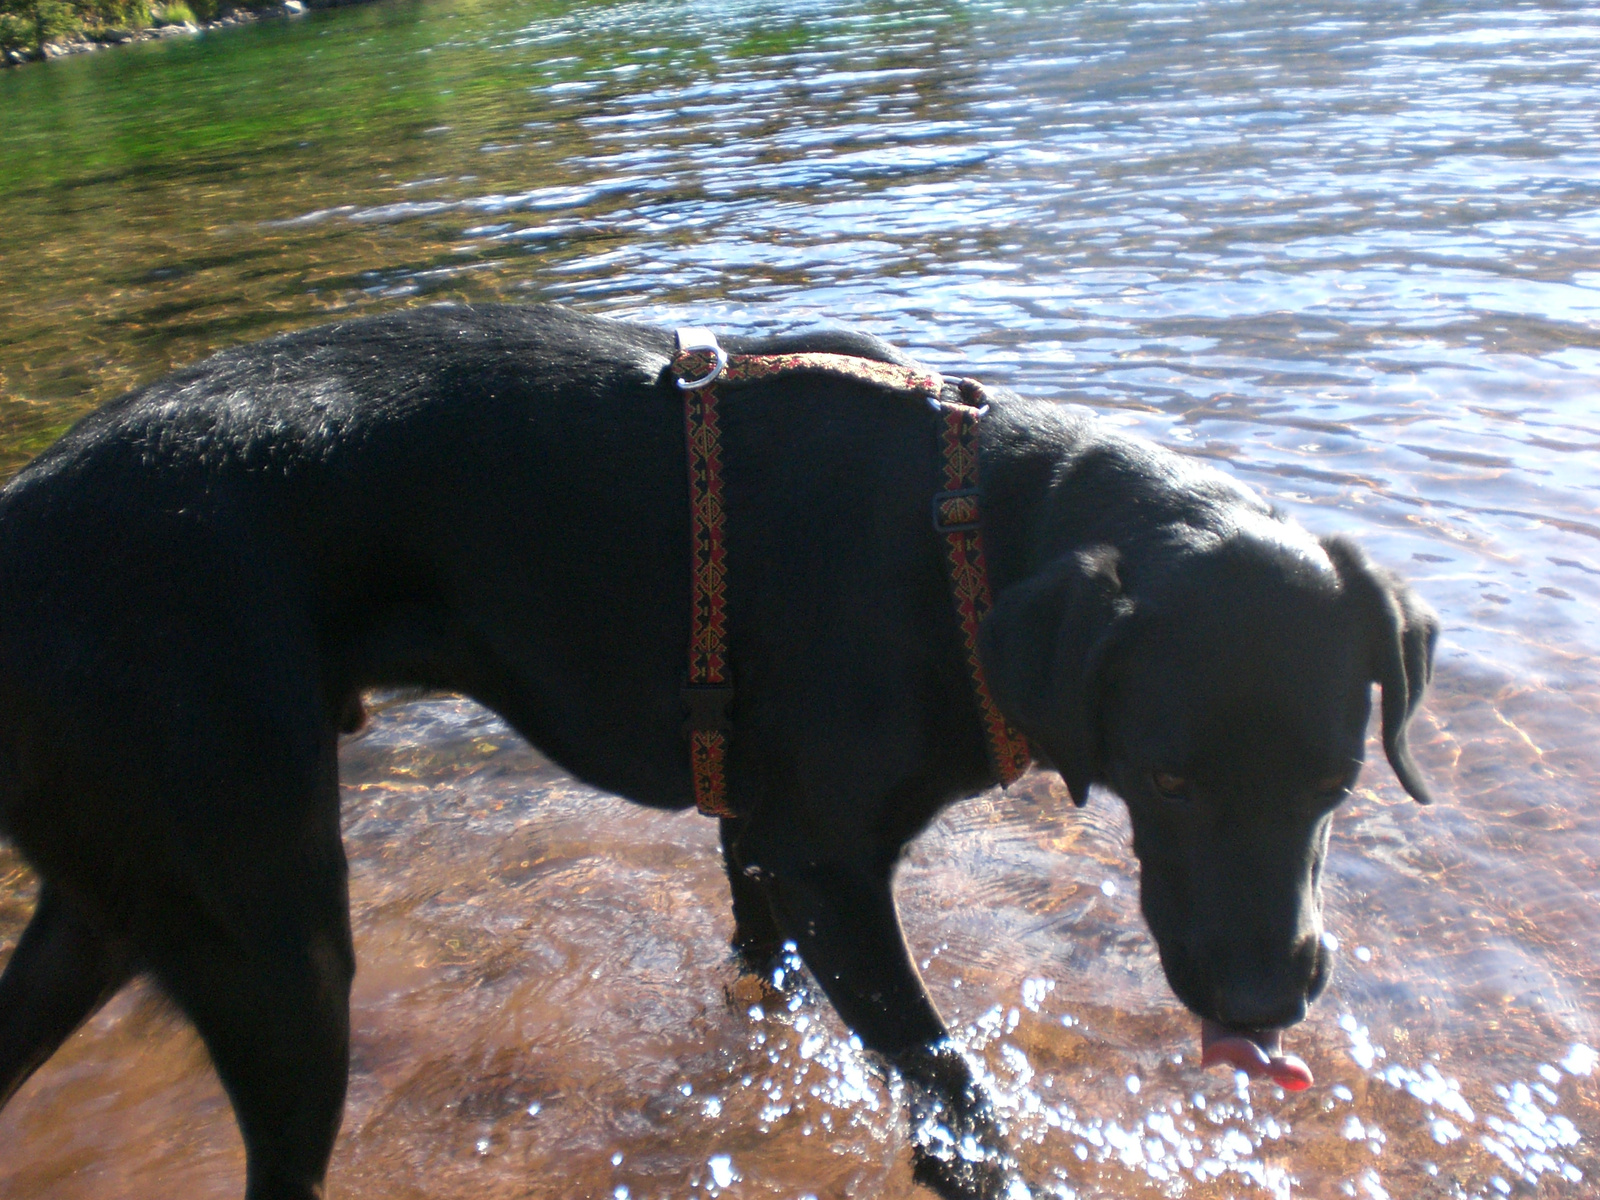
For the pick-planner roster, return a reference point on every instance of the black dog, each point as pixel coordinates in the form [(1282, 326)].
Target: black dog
[(197, 582)]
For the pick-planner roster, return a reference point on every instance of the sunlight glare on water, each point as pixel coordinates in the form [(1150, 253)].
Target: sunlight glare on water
[(1346, 251)]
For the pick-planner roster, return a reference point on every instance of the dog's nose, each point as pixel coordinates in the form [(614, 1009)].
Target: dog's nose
[(1272, 991), (1247, 1006)]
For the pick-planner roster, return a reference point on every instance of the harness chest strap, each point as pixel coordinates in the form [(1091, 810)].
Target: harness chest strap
[(702, 370), (957, 516)]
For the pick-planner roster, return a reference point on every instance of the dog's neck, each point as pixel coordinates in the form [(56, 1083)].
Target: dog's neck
[(1022, 448)]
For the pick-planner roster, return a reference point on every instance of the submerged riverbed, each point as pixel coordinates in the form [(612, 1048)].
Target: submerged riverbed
[(1349, 251)]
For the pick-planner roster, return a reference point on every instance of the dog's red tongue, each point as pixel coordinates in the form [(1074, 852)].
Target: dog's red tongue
[(1258, 1054)]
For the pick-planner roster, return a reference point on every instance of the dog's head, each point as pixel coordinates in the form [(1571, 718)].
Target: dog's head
[(1221, 686)]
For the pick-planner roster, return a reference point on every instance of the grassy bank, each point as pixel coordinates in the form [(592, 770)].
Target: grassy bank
[(28, 27)]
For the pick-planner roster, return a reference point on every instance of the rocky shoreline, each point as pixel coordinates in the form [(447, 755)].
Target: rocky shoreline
[(87, 42)]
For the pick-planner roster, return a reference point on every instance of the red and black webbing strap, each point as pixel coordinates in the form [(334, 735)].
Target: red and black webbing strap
[(698, 365), (957, 517), (702, 370)]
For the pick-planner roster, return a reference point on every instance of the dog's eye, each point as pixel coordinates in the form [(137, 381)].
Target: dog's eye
[(1173, 787), (1329, 786)]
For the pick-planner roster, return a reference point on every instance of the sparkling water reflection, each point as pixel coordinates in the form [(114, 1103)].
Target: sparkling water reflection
[(1348, 251)]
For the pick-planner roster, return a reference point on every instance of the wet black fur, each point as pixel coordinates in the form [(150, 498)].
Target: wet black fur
[(199, 579)]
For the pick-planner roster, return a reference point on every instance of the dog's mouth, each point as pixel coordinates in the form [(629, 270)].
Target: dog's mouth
[(1256, 1052)]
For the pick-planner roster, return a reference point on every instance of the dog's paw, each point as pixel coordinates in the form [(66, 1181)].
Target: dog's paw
[(963, 1180), (771, 974), (958, 1148), (760, 955), (750, 990)]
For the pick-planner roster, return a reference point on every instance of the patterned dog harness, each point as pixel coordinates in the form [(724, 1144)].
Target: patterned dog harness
[(703, 369)]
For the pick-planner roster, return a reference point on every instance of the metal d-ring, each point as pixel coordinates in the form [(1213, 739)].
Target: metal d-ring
[(694, 340)]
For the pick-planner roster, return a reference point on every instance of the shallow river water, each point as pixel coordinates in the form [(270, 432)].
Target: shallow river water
[(1347, 249)]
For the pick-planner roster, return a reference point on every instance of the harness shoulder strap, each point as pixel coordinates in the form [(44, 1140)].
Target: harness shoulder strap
[(698, 364)]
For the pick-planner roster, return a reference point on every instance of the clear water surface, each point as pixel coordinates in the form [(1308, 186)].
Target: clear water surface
[(1347, 249)]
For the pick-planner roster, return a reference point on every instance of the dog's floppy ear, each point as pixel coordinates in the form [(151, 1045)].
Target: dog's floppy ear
[(1401, 632), (1042, 647)]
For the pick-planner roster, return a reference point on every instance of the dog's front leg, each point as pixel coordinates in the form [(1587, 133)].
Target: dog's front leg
[(839, 910), (757, 939)]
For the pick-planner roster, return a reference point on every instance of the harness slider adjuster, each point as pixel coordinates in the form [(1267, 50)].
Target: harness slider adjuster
[(955, 512)]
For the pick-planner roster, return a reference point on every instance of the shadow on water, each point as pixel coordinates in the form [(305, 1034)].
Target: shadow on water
[(1347, 253)]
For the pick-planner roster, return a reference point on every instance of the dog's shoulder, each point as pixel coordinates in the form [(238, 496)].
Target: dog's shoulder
[(822, 341)]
